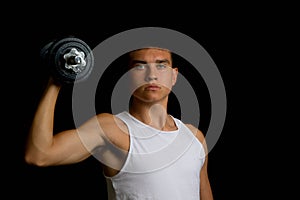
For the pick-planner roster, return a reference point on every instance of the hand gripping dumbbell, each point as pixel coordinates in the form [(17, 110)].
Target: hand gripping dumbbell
[(68, 59)]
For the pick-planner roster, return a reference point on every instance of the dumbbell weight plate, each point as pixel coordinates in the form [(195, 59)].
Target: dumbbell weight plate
[(57, 63)]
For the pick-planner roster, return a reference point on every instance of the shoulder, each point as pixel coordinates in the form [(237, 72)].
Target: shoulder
[(198, 133), (110, 122), (107, 118)]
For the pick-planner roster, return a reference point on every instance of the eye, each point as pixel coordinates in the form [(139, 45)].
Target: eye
[(161, 66), (139, 67)]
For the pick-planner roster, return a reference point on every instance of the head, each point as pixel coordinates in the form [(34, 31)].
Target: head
[(152, 74)]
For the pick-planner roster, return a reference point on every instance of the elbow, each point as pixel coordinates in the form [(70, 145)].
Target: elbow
[(36, 160)]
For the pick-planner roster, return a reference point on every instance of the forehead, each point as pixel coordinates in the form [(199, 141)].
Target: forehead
[(150, 54)]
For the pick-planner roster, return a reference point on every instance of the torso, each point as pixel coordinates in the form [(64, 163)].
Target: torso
[(153, 159), (117, 133)]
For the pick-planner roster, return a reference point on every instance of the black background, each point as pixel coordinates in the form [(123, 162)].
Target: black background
[(236, 43)]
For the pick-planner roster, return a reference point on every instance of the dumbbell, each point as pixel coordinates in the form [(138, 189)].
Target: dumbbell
[(68, 60)]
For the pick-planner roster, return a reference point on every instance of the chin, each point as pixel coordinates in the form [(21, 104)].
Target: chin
[(150, 99)]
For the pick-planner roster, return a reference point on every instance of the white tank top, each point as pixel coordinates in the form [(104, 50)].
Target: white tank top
[(160, 165)]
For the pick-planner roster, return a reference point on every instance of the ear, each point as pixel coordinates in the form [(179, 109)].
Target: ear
[(174, 75)]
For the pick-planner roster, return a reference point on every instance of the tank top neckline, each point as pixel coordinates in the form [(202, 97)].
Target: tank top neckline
[(155, 129)]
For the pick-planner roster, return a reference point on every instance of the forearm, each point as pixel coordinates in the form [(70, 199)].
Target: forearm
[(40, 136)]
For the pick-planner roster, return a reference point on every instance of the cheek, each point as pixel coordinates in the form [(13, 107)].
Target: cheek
[(166, 81), (136, 81)]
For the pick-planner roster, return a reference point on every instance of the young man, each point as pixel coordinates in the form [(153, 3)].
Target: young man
[(146, 153)]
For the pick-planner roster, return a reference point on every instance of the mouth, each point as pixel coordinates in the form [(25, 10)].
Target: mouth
[(152, 87)]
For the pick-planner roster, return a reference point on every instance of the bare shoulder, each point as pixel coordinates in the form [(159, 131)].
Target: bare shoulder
[(111, 123), (198, 133), (114, 129), (105, 117), (109, 118)]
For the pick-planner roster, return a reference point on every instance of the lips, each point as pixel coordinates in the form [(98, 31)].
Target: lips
[(152, 87)]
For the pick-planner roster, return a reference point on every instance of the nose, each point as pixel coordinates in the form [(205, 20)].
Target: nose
[(151, 73), (150, 78)]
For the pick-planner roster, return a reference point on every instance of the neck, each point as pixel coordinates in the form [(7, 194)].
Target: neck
[(154, 113)]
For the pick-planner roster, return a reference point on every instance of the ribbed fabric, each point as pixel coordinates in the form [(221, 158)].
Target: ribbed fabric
[(161, 165)]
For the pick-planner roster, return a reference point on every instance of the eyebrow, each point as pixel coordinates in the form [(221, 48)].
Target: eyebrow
[(144, 62)]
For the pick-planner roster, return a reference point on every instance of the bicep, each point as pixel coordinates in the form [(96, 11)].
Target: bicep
[(72, 146), (205, 188), (67, 148)]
